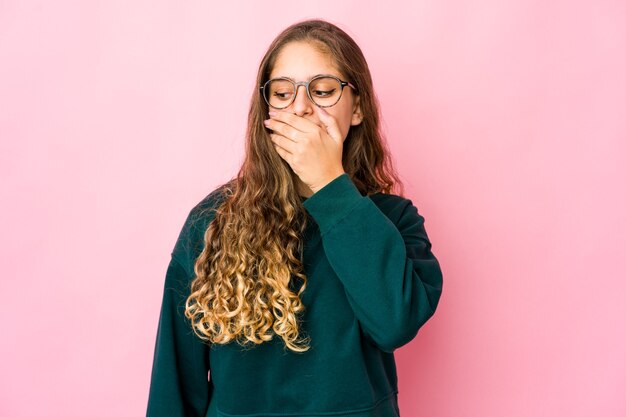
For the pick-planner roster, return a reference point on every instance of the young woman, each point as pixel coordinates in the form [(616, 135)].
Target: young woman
[(294, 282)]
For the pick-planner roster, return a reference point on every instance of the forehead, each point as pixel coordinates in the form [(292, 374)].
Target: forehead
[(302, 61)]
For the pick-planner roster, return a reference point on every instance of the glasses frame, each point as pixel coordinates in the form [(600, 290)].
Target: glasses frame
[(306, 84)]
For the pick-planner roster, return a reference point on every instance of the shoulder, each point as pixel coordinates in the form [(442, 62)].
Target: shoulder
[(205, 209), (393, 206), (404, 215), (190, 241)]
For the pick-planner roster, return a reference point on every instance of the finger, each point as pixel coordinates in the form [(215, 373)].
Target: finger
[(282, 153), (283, 129), (330, 124), (299, 123), (285, 143)]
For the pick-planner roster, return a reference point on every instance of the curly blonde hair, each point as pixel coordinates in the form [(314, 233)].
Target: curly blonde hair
[(243, 288)]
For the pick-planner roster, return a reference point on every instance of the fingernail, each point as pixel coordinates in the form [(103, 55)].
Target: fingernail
[(272, 113), (266, 122)]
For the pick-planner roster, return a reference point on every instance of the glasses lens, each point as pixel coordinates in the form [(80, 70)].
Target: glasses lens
[(325, 91), (278, 93)]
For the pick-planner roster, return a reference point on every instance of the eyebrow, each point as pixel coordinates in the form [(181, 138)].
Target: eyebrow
[(310, 77)]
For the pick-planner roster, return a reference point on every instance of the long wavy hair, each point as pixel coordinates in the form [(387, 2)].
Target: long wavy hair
[(244, 287)]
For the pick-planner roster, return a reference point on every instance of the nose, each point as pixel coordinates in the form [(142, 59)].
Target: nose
[(301, 105)]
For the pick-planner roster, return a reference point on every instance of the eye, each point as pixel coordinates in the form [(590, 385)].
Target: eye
[(282, 95), (323, 93)]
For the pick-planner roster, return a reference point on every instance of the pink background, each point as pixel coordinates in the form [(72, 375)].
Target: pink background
[(505, 119)]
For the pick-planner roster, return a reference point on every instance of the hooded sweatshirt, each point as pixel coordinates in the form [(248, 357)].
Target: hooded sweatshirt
[(372, 283)]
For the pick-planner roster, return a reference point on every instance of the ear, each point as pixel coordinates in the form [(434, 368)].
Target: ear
[(357, 116)]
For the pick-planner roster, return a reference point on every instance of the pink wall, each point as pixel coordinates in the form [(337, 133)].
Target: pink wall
[(506, 120)]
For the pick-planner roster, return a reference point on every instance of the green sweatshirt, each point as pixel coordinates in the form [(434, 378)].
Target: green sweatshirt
[(372, 283)]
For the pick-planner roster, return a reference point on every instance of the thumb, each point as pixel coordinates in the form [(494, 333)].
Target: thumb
[(330, 124)]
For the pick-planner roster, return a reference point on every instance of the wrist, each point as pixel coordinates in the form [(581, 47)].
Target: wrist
[(328, 181)]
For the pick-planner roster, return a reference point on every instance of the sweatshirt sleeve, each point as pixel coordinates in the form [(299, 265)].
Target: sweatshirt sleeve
[(179, 384), (392, 280)]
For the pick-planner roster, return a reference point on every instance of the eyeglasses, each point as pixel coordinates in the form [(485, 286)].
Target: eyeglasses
[(323, 90)]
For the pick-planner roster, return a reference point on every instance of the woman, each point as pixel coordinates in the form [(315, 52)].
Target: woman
[(294, 282)]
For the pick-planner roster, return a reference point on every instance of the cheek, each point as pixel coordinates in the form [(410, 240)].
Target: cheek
[(343, 117)]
